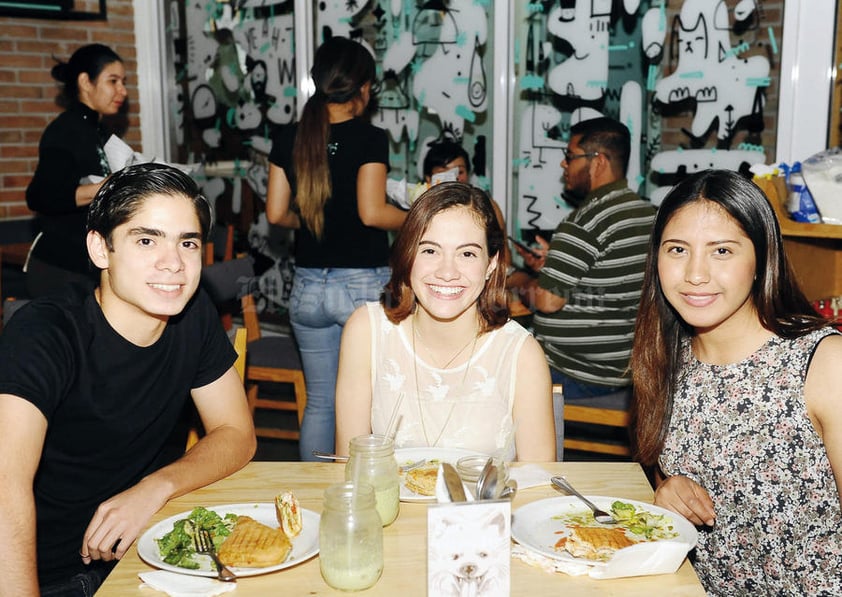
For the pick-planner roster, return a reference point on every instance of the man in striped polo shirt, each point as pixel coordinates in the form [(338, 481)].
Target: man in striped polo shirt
[(589, 280)]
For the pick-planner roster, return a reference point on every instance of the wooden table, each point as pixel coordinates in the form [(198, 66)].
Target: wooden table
[(405, 552)]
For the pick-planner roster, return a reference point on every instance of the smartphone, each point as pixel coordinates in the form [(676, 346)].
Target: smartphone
[(526, 248)]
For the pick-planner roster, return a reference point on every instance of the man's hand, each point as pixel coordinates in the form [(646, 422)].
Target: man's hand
[(686, 497), (118, 521), (529, 260)]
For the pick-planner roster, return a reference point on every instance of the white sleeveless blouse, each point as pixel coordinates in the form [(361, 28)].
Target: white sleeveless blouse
[(467, 407)]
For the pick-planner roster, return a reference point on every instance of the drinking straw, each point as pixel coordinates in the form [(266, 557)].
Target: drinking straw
[(394, 420)]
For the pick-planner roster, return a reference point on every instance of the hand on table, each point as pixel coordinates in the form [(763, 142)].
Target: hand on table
[(686, 497), (117, 522)]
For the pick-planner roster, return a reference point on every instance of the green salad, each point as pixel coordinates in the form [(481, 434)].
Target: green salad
[(647, 525), (177, 547)]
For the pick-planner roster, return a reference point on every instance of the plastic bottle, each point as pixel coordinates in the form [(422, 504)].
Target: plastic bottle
[(372, 460), (350, 538)]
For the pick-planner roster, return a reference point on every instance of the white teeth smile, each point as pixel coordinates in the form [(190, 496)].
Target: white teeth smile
[(166, 287), (451, 290)]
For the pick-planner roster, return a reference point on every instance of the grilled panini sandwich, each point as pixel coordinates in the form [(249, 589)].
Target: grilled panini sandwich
[(254, 545), (422, 480), (596, 543)]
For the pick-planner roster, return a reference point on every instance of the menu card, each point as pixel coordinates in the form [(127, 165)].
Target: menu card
[(469, 549)]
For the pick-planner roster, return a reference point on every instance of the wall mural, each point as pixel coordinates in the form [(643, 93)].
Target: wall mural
[(690, 79)]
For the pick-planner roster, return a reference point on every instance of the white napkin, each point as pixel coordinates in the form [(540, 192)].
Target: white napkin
[(641, 559), (120, 155), (529, 475), (183, 585)]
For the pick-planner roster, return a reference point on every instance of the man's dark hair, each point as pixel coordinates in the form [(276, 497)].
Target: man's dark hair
[(607, 136), (123, 194)]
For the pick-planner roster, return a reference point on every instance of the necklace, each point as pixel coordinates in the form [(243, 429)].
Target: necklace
[(417, 387), (430, 351)]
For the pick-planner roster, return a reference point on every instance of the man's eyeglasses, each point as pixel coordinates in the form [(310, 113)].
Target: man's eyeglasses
[(569, 157)]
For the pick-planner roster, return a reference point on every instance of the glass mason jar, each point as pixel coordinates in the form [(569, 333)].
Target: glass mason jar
[(372, 460), (350, 538)]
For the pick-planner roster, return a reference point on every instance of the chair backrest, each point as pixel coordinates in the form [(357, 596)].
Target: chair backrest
[(610, 410), (220, 245), (240, 345), (230, 280)]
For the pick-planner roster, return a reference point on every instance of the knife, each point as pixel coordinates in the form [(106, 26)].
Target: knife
[(453, 482)]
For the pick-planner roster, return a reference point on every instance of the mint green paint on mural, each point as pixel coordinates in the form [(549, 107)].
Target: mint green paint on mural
[(533, 8), (696, 74), (461, 39), (651, 77), (290, 91), (465, 112), (758, 81), (772, 41), (532, 82), (461, 80), (595, 83)]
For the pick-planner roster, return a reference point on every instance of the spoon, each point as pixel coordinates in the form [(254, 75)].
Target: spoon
[(601, 516), (509, 490), (483, 477), (489, 486)]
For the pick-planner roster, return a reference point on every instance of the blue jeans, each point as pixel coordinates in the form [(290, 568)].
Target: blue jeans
[(84, 584), (573, 388), (321, 302)]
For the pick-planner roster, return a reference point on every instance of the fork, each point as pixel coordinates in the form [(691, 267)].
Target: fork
[(601, 516), (204, 545), (411, 465)]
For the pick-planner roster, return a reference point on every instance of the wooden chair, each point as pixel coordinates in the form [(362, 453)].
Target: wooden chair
[(220, 245), (240, 342), (271, 359), (611, 410)]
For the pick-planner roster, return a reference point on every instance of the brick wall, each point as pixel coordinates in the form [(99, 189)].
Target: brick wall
[(27, 91)]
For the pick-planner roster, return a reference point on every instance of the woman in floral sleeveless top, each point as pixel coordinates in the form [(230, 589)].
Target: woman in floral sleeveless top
[(738, 395)]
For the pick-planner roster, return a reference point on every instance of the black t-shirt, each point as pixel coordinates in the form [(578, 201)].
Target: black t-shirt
[(346, 241), (69, 150), (111, 406)]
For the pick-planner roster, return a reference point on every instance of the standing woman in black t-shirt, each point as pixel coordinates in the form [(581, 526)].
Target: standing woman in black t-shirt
[(327, 178), (69, 153)]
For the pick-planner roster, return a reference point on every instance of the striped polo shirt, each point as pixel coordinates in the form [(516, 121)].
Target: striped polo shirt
[(596, 261)]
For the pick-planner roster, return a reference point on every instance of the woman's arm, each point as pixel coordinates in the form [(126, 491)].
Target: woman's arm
[(532, 412), (823, 394), (372, 206), (278, 197), (353, 381)]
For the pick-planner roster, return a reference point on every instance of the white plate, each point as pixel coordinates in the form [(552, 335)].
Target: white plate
[(536, 527), (304, 546), (433, 456)]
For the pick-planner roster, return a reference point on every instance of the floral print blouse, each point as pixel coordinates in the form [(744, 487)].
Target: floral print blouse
[(742, 432)]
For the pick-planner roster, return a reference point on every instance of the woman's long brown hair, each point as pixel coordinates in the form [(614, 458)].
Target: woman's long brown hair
[(659, 331), (340, 68), (399, 299)]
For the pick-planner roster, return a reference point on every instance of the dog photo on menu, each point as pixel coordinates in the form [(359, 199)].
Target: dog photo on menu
[(469, 549)]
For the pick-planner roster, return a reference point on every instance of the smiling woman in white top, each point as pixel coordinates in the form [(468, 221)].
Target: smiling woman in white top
[(439, 352)]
